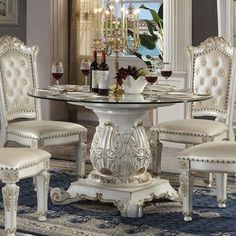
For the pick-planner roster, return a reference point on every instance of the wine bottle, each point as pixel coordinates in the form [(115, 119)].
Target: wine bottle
[(103, 77), (93, 80)]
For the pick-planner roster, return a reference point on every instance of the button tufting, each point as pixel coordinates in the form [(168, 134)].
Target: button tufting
[(217, 63), (24, 81), (10, 93), (202, 82), (17, 72), (11, 63), (22, 62), (215, 82), (8, 73), (209, 71)]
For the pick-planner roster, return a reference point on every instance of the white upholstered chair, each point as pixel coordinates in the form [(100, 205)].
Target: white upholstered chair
[(17, 164), (21, 115), (218, 157), (211, 71)]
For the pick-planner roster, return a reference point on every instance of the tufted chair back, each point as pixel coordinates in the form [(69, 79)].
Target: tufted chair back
[(17, 78), (212, 71)]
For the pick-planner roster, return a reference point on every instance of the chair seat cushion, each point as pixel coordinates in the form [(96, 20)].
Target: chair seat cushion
[(44, 129), (218, 152), (193, 127), (20, 158)]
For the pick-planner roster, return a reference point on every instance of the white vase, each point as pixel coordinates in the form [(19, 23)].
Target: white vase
[(132, 86)]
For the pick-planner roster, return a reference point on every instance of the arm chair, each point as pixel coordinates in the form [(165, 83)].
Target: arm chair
[(17, 164), (218, 157), (21, 115), (211, 71)]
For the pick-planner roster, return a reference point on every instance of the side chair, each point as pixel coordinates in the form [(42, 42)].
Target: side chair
[(21, 120), (218, 157), (211, 71), (17, 164)]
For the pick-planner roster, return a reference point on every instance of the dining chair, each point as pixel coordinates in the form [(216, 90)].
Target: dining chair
[(218, 157), (17, 164), (21, 120), (211, 71)]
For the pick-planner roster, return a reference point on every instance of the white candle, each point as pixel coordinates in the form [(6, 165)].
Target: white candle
[(116, 13), (123, 21), (111, 18), (106, 23), (137, 24), (126, 24)]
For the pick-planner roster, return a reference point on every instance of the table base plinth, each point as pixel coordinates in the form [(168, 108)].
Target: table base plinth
[(128, 200)]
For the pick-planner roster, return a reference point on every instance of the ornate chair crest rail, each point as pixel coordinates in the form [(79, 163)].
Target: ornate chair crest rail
[(18, 76), (211, 71)]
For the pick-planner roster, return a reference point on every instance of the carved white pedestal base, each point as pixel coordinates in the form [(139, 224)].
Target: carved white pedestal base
[(120, 155), (128, 199)]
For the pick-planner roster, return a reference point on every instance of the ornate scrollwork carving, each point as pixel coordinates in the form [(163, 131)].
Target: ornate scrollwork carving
[(10, 196), (10, 176), (184, 183), (119, 154)]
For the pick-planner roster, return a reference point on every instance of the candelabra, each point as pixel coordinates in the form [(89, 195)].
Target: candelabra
[(121, 34)]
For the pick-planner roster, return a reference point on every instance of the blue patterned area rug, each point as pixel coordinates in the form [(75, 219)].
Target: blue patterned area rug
[(90, 218)]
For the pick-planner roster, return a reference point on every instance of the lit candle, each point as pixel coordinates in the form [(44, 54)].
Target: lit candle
[(100, 20), (126, 24), (138, 10), (135, 24), (111, 18), (106, 23), (123, 21), (96, 22), (116, 13)]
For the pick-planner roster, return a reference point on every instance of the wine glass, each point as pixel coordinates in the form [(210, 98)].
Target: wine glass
[(151, 77), (84, 67), (57, 71), (166, 71)]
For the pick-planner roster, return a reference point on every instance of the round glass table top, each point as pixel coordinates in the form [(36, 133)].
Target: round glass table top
[(81, 95)]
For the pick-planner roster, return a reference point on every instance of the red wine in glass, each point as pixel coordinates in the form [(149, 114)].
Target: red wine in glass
[(57, 71), (166, 72), (151, 77), (84, 67), (57, 75), (85, 72)]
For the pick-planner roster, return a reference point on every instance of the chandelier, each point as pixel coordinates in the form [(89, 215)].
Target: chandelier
[(117, 28)]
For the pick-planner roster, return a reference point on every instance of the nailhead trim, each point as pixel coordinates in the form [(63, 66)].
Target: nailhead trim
[(199, 159), (212, 44), (10, 46), (44, 159), (183, 133), (79, 132)]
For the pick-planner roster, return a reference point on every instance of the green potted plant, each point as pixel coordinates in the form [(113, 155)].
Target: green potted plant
[(154, 39)]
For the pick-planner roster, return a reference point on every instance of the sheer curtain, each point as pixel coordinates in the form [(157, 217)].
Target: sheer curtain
[(83, 24)]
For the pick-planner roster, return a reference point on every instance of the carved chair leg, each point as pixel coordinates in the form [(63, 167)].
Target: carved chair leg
[(208, 178), (80, 153), (221, 182), (156, 151), (10, 194), (186, 193), (42, 185)]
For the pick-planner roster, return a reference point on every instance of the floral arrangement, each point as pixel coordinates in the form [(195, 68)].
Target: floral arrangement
[(133, 71)]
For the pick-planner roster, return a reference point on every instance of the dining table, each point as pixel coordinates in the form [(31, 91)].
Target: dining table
[(120, 150)]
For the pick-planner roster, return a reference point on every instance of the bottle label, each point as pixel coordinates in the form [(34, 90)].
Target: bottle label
[(103, 79), (94, 78)]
